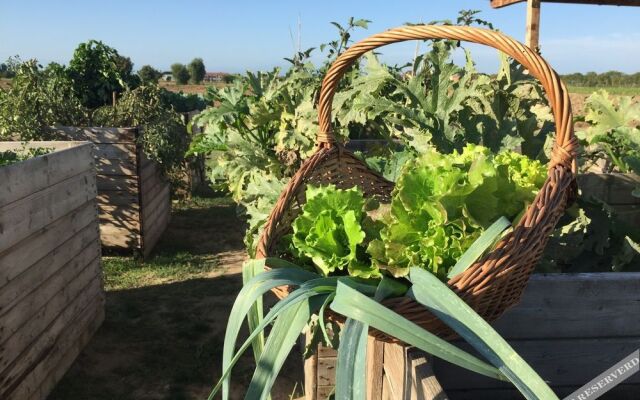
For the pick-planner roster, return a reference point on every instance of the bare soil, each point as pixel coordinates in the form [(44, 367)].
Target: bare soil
[(164, 341)]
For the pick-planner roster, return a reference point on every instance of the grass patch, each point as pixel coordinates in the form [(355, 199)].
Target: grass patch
[(619, 91), (129, 273)]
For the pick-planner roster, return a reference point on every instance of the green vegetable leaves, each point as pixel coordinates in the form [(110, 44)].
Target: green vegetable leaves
[(442, 203), (330, 231)]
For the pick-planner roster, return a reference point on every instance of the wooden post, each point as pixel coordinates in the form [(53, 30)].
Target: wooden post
[(533, 25), (114, 98)]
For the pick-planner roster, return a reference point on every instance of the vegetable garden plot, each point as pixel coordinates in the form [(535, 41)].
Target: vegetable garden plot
[(133, 196), (51, 295)]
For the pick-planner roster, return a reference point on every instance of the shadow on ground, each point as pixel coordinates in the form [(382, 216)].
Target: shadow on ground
[(165, 341)]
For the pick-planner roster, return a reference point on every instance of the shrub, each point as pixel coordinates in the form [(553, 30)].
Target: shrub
[(196, 71), (180, 73)]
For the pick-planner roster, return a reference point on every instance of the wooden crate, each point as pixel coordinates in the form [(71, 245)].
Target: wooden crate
[(133, 197), (568, 327), (51, 294)]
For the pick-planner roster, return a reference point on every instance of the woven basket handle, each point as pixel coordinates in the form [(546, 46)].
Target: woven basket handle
[(564, 151)]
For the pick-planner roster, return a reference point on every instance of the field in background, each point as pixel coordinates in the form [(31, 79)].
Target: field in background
[(618, 91), (189, 89)]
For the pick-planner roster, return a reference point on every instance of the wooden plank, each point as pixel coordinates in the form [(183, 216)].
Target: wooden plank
[(532, 38), (55, 292), (117, 198), (115, 151), (375, 368), (326, 371), (421, 382), (98, 135), (24, 350), (566, 306), (29, 214), (160, 205), (115, 166), (32, 276), (124, 223), (116, 237), (310, 371), (39, 382), (148, 169), (35, 174), (394, 366), (150, 190), (117, 182), (153, 235), (561, 362), (118, 212), (26, 253)]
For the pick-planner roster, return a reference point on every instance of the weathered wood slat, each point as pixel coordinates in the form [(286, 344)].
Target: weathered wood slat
[(33, 275), (55, 292), (118, 237), (29, 214), (118, 198), (116, 151), (30, 176), (39, 382), (154, 233), (578, 305), (98, 135), (49, 267), (118, 212), (561, 362), (132, 225), (160, 204), (124, 183), (117, 167), (25, 350), (16, 259), (150, 190)]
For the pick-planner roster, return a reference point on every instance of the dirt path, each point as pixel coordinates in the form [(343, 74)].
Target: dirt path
[(165, 341)]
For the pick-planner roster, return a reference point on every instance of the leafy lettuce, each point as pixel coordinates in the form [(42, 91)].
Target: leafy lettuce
[(442, 203), (333, 231)]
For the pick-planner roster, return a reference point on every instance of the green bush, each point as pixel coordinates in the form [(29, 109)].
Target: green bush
[(180, 73)]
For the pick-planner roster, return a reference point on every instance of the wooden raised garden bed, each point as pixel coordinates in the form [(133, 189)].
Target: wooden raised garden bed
[(568, 327), (615, 190), (51, 295), (134, 199)]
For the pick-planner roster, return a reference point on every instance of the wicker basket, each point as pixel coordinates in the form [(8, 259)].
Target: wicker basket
[(495, 282)]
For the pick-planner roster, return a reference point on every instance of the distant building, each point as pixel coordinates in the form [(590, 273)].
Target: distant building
[(166, 76), (215, 76)]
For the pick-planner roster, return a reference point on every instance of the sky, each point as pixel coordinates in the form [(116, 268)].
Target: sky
[(235, 36)]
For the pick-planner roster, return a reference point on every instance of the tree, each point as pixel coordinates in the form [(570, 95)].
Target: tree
[(228, 79), (148, 74), (97, 70), (180, 73), (197, 70)]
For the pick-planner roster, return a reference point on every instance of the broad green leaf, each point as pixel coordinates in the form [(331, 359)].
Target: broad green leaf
[(446, 305), (352, 304)]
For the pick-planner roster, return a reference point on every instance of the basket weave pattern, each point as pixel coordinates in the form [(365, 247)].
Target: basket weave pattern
[(495, 282)]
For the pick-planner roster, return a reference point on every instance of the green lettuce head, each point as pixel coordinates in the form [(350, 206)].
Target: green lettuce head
[(333, 231)]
